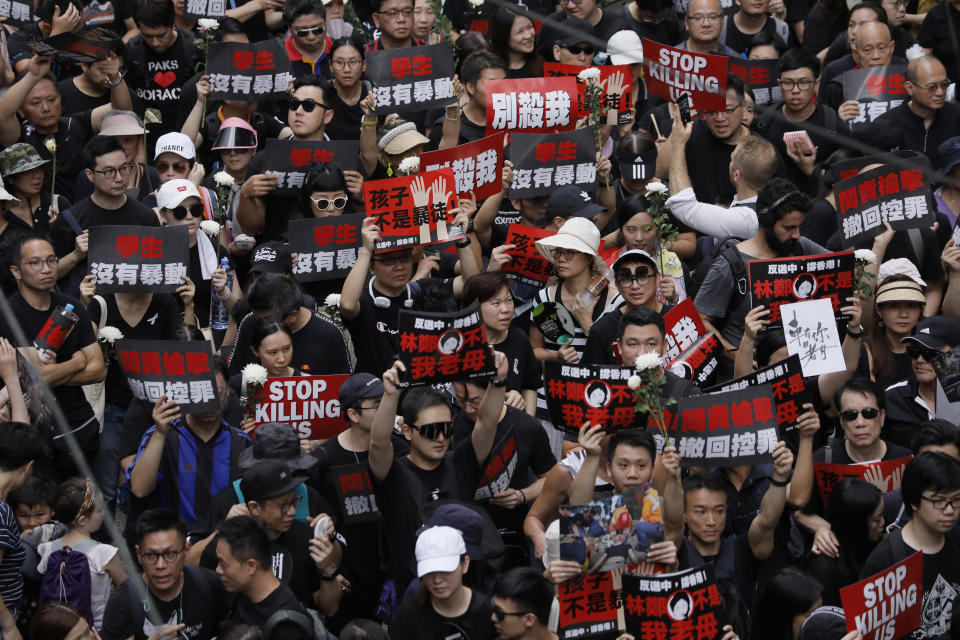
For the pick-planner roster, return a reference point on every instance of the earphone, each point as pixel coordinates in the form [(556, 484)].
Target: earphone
[(382, 302)]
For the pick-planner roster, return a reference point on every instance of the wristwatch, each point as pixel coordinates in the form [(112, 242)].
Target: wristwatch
[(334, 572), (855, 334)]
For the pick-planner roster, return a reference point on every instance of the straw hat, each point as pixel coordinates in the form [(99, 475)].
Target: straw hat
[(900, 291), (578, 234)]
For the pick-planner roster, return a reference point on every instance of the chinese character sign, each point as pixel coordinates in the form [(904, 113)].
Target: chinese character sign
[(589, 606), (308, 403), (16, 12), (761, 76), (670, 72), (728, 428), (183, 371), (699, 361), (616, 81), (781, 280), (526, 264), (326, 248), (291, 159), (477, 166), (501, 463), (248, 71), (531, 105), (598, 393), (358, 503), (889, 604), (543, 162), (413, 210), (886, 475), (683, 327), (440, 347), (898, 195), (811, 333), (876, 90), (195, 9), (132, 259), (685, 604), (412, 79)]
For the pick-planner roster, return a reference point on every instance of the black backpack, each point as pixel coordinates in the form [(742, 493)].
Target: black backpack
[(726, 249)]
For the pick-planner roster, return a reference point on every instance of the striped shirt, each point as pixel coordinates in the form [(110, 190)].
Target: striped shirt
[(11, 578)]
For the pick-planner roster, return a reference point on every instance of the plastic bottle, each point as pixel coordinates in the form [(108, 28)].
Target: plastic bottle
[(591, 293), (55, 330), (219, 315)]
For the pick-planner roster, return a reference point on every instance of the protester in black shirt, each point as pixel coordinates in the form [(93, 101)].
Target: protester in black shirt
[(652, 19), (513, 38), (53, 19), (91, 88), (477, 69), (348, 68)]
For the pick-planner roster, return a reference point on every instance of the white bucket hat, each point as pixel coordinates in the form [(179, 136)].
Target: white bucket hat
[(578, 234)]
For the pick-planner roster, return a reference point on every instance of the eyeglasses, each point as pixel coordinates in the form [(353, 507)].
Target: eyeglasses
[(111, 172), (500, 614), (565, 254), (390, 260), (625, 277), (308, 105), (868, 414), (469, 402), (303, 33), (323, 204), (290, 504), (577, 49), (700, 18), (941, 503), (151, 557), (729, 111), (342, 64), (393, 14), (37, 264), (433, 430), (180, 213), (918, 350), (163, 167), (803, 84), (235, 152), (933, 86)]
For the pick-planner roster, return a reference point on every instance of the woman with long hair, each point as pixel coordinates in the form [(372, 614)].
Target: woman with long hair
[(783, 606), (59, 621), (513, 38), (899, 306)]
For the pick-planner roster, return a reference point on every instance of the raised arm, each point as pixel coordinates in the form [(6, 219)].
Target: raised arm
[(353, 284), (368, 135), (381, 446), (590, 438), (760, 535), (828, 383), (488, 415), (12, 100), (193, 125), (672, 502), (483, 221), (10, 374), (143, 476)]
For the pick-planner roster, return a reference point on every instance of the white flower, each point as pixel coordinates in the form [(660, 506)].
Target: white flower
[(634, 382), (332, 300), (51, 145), (223, 179), (647, 361), (914, 52), (865, 255), (476, 4), (409, 166), (109, 334), (589, 74), (656, 187), (208, 24), (211, 228), (253, 374)]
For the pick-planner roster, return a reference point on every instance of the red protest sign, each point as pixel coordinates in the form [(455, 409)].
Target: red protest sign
[(476, 165), (683, 327), (885, 474), (699, 361), (589, 606), (887, 605), (616, 81), (671, 72), (308, 403), (526, 264), (413, 210), (531, 105), (501, 463)]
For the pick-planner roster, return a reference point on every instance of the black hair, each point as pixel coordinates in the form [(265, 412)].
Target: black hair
[(706, 480), (416, 400), (483, 286), (654, 6), (935, 433), (929, 471), (778, 198), (789, 593), (376, 5), (263, 327), (328, 93), (798, 59), (155, 13), (876, 8), (863, 386), (736, 84), (15, 253), (35, 491), (229, 26), (352, 40), (528, 589), (46, 8), (767, 344), (363, 629), (294, 9), (275, 292), (641, 317), (154, 520), (220, 366), (851, 504), (20, 444), (642, 439), (469, 43), (765, 38), (501, 26), (630, 207), (54, 621), (246, 539), (323, 176), (70, 499), (98, 146), (186, 333), (476, 63)]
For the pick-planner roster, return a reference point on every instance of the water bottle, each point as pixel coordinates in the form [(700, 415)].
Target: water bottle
[(592, 292), (55, 330), (219, 316)]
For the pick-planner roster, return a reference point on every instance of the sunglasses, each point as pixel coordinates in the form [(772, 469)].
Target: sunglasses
[(577, 49), (179, 167), (500, 614), (303, 33), (434, 430), (626, 277), (308, 105), (180, 213), (918, 351), (868, 414), (325, 205), (235, 152)]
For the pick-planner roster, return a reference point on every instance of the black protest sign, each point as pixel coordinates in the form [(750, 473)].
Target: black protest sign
[(72, 47), (248, 71), (16, 12), (727, 428), (182, 371), (543, 162), (291, 159), (133, 259), (888, 193), (326, 248), (195, 9), (411, 79), (440, 347), (685, 604), (762, 77), (357, 500), (947, 366), (784, 280), (698, 362), (501, 463), (589, 606), (554, 321), (790, 392), (876, 90)]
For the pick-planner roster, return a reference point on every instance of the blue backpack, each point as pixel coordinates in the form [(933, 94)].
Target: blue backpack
[(67, 579)]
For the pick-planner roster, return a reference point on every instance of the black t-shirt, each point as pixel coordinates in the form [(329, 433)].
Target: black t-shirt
[(819, 30), (201, 606), (820, 222), (319, 344), (72, 100), (668, 31), (524, 367), (257, 614), (469, 131), (740, 41), (708, 164), (935, 34), (347, 118), (73, 131), (157, 78), (281, 209), (604, 333), (204, 291), (414, 621), (611, 21)]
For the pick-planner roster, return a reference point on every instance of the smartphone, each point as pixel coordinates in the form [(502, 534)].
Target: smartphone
[(320, 530), (799, 141), (684, 103)]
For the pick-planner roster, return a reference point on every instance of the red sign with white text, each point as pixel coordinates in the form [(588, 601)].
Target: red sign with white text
[(526, 264), (887, 605), (885, 474), (532, 105), (617, 83), (413, 210), (477, 166), (670, 72), (308, 403)]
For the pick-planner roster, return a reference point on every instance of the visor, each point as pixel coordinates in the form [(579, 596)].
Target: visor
[(235, 138), (641, 167)]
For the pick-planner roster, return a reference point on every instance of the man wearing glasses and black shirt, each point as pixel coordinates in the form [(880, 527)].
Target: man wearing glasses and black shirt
[(394, 20)]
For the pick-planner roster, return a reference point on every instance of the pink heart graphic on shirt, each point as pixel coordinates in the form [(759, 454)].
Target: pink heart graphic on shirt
[(164, 79)]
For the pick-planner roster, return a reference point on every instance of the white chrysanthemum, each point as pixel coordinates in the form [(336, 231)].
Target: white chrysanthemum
[(51, 145), (254, 374), (211, 228), (223, 179), (110, 334), (409, 166), (208, 24), (865, 255), (634, 382), (476, 4), (591, 73), (332, 300), (647, 361), (914, 52), (656, 187)]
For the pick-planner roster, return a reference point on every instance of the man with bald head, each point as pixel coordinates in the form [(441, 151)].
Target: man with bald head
[(704, 23), (872, 46)]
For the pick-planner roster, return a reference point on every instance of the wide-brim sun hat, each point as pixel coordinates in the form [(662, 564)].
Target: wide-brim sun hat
[(576, 234), (401, 139), (900, 291), (19, 158), (124, 123)]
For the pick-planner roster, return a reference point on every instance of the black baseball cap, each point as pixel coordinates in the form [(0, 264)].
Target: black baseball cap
[(936, 332), (357, 387), (584, 28), (271, 257), (570, 201), (269, 479)]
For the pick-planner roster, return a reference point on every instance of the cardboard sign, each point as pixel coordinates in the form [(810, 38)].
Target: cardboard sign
[(526, 264), (413, 210), (358, 502), (291, 159), (441, 347), (899, 196), (531, 105), (16, 12), (761, 76), (183, 371), (887, 605), (699, 361), (133, 259), (308, 403), (683, 327), (685, 604), (782, 280), (876, 89), (196, 9), (727, 429), (412, 78), (478, 166), (501, 463), (326, 248), (671, 72), (248, 71), (541, 163), (554, 321), (883, 474), (617, 83), (72, 47), (790, 392), (947, 366), (611, 533), (589, 606), (811, 333)]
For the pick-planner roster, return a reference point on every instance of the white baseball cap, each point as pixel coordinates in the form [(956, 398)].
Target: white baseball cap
[(175, 143), (172, 193), (439, 549), (625, 47)]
